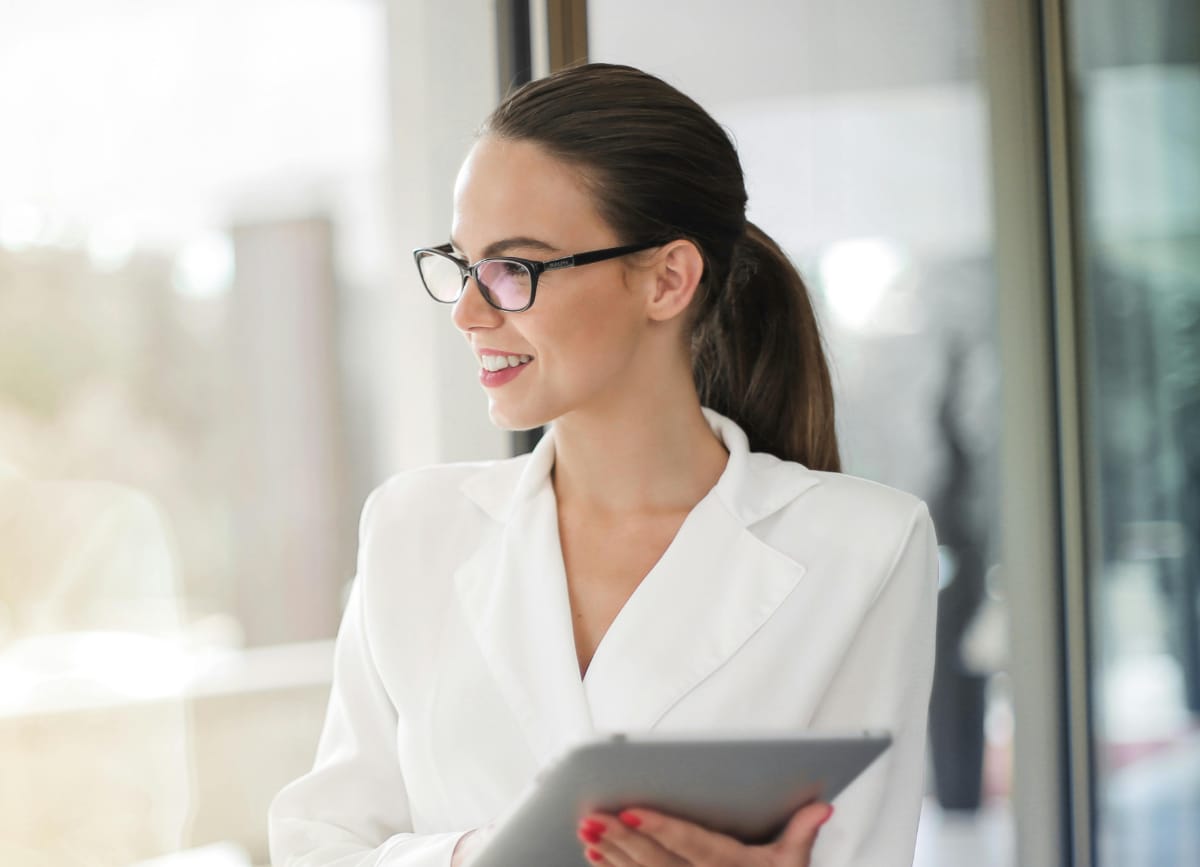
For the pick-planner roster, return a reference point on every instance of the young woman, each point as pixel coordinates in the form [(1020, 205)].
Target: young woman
[(679, 553)]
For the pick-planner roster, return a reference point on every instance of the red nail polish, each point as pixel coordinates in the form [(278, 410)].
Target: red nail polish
[(592, 825), (828, 816), (593, 855), (590, 836), (630, 819)]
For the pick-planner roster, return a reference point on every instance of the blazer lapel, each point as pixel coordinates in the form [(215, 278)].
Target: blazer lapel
[(514, 595), (710, 592), (713, 588)]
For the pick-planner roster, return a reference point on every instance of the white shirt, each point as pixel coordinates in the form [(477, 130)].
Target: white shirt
[(789, 600)]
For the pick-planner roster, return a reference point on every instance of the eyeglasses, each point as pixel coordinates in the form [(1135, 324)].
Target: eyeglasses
[(505, 282)]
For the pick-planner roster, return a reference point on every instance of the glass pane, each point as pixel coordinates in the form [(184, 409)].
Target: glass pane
[(191, 249), (863, 131), (1136, 81)]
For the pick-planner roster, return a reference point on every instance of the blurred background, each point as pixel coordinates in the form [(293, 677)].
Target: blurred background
[(213, 345)]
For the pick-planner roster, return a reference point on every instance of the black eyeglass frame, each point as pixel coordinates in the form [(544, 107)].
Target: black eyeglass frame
[(535, 268)]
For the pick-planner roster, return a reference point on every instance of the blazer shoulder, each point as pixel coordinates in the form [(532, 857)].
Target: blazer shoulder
[(426, 493), (850, 521), (877, 514), (871, 501), (844, 497)]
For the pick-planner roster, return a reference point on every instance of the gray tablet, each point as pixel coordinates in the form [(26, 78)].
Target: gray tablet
[(747, 787)]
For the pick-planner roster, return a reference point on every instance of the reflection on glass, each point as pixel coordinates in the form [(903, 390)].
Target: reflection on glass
[(91, 622), (1137, 85), (191, 253)]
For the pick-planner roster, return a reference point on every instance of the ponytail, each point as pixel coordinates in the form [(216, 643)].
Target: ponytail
[(757, 357)]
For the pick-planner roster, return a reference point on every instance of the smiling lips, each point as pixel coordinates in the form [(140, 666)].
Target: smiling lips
[(497, 368), (493, 362)]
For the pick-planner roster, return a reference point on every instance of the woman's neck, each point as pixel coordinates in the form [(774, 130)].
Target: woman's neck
[(654, 458)]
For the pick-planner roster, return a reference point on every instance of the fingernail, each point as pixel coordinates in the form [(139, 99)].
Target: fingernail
[(592, 825), (593, 855), (590, 835), (828, 816), (630, 819)]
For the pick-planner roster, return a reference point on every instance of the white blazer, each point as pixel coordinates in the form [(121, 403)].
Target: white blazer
[(789, 600)]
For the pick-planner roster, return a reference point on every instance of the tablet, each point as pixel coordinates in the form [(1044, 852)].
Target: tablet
[(747, 787)]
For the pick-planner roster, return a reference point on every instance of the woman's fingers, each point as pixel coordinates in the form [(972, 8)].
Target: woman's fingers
[(651, 839), (796, 841), (621, 844), (645, 838)]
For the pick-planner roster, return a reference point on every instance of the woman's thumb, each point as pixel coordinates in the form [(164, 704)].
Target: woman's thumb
[(801, 830)]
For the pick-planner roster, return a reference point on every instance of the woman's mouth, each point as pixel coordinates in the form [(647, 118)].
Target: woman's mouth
[(499, 362), (496, 369)]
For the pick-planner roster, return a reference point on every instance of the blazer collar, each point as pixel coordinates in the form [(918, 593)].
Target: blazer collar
[(753, 485), (683, 621)]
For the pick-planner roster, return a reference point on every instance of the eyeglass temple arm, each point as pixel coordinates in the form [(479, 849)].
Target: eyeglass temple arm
[(596, 256)]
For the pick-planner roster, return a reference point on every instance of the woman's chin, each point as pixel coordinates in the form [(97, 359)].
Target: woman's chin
[(508, 418)]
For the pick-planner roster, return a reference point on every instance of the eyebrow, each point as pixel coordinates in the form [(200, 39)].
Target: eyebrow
[(497, 248)]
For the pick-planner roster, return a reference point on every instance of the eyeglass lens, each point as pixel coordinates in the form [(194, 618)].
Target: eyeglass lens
[(506, 284)]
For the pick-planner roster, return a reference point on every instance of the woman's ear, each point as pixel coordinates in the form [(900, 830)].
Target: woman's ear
[(677, 270)]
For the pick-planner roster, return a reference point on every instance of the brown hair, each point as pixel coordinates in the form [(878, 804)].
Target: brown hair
[(662, 168)]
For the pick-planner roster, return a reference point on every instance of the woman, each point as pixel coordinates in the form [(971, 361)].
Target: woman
[(679, 553)]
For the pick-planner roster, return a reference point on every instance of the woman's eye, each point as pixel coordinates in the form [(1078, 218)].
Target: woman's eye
[(502, 268)]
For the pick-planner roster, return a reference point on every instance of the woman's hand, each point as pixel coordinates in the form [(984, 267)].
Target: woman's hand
[(644, 838)]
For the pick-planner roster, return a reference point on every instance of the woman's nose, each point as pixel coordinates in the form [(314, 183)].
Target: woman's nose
[(471, 311)]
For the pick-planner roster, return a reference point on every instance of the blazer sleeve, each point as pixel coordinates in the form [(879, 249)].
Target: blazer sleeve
[(351, 809), (884, 682)]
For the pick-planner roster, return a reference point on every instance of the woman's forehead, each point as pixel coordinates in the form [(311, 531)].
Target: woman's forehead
[(509, 188)]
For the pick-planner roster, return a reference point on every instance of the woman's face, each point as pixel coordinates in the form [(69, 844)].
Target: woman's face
[(585, 332)]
